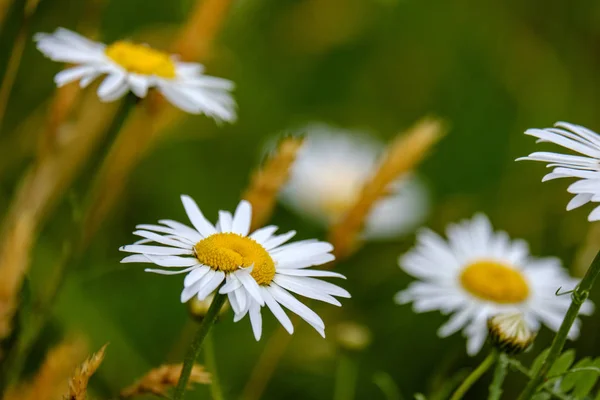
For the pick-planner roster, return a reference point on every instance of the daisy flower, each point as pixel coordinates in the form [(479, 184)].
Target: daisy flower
[(137, 67), (585, 167), (478, 273), (329, 173), (253, 270)]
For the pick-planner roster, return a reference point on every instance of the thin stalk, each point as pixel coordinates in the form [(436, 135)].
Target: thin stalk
[(578, 297), (211, 364), (499, 375), (345, 378), (474, 376), (196, 345)]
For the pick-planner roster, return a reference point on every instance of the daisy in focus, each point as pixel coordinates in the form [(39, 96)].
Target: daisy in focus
[(584, 167), (253, 270), (137, 68), (330, 170), (477, 274)]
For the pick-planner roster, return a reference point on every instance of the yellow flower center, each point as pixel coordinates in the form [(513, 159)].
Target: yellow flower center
[(493, 281), (228, 252), (141, 59)]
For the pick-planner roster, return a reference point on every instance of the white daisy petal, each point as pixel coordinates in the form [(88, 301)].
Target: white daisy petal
[(291, 303), (72, 74), (139, 84), (586, 168), (156, 250), (279, 239), (232, 284), (211, 285), (306, 291), (183, 230), (277, 310), (172, 261), (225, 221), (196, 217), (255, 320), (110, 85), (191, 290), (263, 234), (170, 272), (162, 239), (250, 285), (242, 218), (195, 276)]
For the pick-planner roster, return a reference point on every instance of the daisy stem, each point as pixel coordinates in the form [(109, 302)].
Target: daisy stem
[(499, 375), (474, 376), (211, 364), (578, 297), (196, 345)]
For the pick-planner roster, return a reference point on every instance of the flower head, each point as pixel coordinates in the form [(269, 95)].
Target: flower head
[(257, 269), (329, 173), (136, 67), (509, 332), (479, 273), (585, 167)]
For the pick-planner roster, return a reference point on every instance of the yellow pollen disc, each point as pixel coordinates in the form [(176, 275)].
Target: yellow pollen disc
[(141, 59), (493, 281), (228, 252)]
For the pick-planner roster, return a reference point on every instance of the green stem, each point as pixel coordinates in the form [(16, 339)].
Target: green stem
[(474, 376), (211, 364), (345, 378), (578, 297), (499, 375), (196, 345)]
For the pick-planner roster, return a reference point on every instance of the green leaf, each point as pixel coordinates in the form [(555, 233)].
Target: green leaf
[(537, 363), (583, 380), (420, 396), (571, 379), (562, 364)]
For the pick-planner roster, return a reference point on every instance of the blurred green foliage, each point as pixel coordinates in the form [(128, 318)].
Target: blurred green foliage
[(491, 68)]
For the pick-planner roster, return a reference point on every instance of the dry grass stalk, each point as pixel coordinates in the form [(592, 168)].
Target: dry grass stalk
[(14, 61), (79, 382), (40, 189), (201, 28), (145, 126), (159, 380), (4, 7), (402, 156), (51, 380), (270, 178)]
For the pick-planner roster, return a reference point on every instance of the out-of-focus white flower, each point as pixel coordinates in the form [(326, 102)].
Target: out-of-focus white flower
[(257, 269), (477, 274), (329, 173), (129, 66)]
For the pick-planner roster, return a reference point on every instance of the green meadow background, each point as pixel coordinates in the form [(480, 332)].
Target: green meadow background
[(491, 69)]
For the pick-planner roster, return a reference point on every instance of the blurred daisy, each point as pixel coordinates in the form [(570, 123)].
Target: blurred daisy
[(586, 168), (329, 173), (479, 273), (137, 67), (256, 269)]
